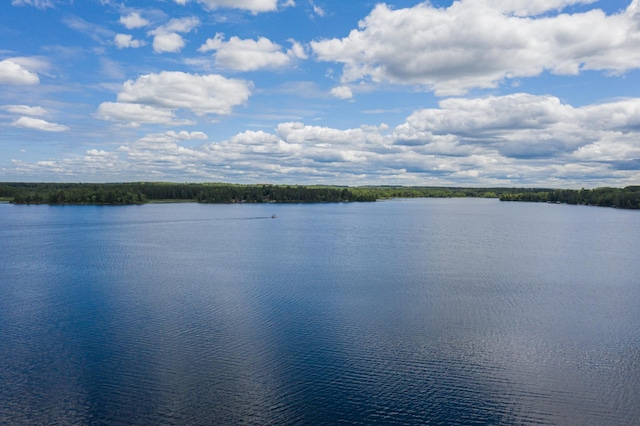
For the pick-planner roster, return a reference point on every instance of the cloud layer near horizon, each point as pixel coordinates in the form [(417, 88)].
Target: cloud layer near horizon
[(517, 139)]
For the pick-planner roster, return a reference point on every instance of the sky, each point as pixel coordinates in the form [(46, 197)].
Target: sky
[(476, 93)]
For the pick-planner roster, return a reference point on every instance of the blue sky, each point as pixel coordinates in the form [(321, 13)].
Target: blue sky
[(464, 93)]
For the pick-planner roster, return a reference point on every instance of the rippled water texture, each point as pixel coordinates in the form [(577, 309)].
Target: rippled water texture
[(402, 312)]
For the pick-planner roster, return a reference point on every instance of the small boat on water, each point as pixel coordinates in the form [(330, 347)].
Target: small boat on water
[(274, 216)]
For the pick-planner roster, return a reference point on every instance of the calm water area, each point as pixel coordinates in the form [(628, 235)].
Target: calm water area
[(422, 311)]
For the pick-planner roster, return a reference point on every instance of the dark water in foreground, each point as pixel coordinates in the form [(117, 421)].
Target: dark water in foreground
[(404, 312)]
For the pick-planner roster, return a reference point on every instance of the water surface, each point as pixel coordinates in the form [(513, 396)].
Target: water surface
[(429, 311)]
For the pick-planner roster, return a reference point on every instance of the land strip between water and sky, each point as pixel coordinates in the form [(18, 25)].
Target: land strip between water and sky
[(226, 193)]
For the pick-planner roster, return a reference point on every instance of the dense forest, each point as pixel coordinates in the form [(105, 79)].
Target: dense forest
[(144, 192), (625, 198)]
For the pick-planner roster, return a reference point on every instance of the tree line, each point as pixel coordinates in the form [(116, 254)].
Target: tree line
[(623, 198), (143, 192)]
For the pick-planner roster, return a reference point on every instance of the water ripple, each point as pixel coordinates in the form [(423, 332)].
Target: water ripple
[(416, 312)]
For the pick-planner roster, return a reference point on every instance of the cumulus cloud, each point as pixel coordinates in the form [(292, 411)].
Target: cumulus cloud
[(254, 6), (179, 25), (202, 94), (167, 38), (25, 110), (250, 55), (39, 124), (133, 20), (521, 126), (172, 42), (342, 92), (518, 139), (124, 41), (12, 72), (93, 163), (188, 136), (136, 114), (155, 98), (479, 44)]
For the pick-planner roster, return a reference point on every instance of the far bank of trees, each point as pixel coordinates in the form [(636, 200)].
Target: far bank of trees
[(143, 192), (623, 198)]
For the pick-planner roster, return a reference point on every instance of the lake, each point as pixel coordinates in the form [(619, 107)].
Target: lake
[(422, 311)]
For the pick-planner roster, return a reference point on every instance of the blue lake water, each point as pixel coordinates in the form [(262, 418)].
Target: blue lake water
[(427, 311)]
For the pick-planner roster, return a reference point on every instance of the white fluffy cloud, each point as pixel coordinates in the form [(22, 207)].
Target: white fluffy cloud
[(188, 136), (136, 114), (133, 20), (12, 72), (509, 140), (479, 44), (342, 92), (202, 94), (124, 41), (155, 98), (167, 38), (172, 42), (250, 55), (523, 126), (254, 6), (25, 110), (94, 163), (39, 124)]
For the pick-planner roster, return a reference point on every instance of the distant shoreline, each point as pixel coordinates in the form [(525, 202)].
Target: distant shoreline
[(130, 193)]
